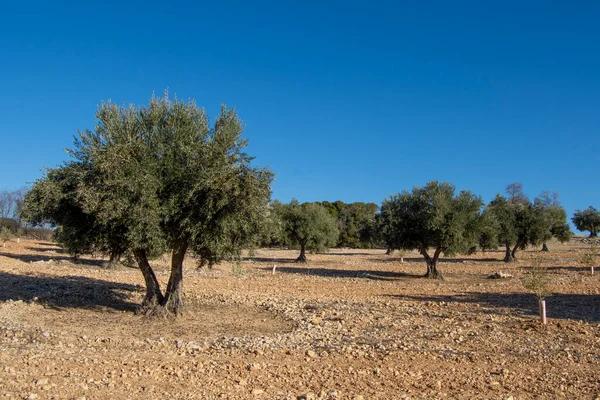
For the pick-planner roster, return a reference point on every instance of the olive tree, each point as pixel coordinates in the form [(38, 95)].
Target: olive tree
[(552, 219), (308, 226), (587, 220), (160, 177), (519, 222), (433, 220)]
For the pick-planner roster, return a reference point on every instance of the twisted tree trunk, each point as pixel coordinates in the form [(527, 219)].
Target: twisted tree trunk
[(432, 271), (113, 261), (173, 301), (545, 247), (153, 294), (508, 257), (514, 250)]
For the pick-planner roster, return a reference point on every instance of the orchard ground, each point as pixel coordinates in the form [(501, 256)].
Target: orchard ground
[(350, 324)]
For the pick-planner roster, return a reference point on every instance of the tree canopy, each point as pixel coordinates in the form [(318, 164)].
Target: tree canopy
[(308, 226), (517, 222), (152, 178), (354, 222), (587, 220), (431, 218)]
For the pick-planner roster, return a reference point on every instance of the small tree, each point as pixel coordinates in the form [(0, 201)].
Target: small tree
[(587, 220), (308, 226), (590, 257), (5, 235), (537, 282), (432, 218), (551, 220)]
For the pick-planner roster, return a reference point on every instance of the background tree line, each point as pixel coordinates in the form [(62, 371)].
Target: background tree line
[(11, 221)]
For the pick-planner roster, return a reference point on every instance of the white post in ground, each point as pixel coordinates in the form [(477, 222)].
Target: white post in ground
[(543, 312), (274, 266)]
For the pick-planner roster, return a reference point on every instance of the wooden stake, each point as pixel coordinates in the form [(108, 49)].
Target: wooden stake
[(402, 260), (592, 270), (274, 266), (543, 312)]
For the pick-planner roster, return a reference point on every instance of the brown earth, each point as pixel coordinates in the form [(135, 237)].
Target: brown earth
[(351, 324)]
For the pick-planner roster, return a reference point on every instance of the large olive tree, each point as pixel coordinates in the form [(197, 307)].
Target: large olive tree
[(432, 218), (161, 177)]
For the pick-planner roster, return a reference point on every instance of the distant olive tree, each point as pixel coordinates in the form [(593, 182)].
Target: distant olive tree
[(518, 222), (153, 178), (308, 226), (587, 220), (433, 220), (552, 219)]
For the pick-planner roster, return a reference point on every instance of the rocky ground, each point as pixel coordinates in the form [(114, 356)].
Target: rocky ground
[(351, 324)]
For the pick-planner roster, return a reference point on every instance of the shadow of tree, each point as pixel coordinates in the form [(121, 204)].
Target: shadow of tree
[(31, 258), (343, 273), (270, 260), (441, 260), (585, 307), (46, 249), (334, 253), (67, 291)]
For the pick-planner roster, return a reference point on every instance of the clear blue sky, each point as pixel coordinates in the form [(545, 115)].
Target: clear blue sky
[(343, 100)]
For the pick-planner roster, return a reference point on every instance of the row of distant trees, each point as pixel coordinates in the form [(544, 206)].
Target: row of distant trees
[(161, 177), (11, 222), (434, 220)]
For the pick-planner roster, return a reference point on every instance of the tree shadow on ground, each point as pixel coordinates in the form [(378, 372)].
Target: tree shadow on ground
[(270, 259), (565, 268), (585, 307), (47, 244), (46, 249), (67, 291), (32, 258), (336, 253), (343, 273), (441, 260)]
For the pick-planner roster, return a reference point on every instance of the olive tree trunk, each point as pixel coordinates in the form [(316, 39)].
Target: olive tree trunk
[(508, 255), (545, 247), (113, 261), (153, 296), (173, 301), (593, 234), (302, 257), (432, 271), (513, 253)]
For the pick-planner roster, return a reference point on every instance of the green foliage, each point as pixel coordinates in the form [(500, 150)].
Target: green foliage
[(354, 221), (431, 217), (155, 177), (308, 226), (10, 224), (551, 219), (587, 220), (5, 234), (515, 222), (537, 280)]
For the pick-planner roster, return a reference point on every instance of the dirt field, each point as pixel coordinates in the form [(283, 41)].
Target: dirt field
[(352, 324)]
